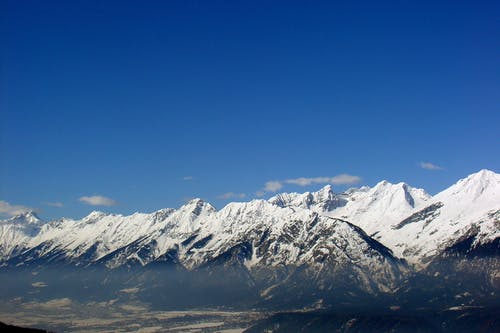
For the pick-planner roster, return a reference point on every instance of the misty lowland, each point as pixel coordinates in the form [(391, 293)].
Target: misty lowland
[(388, 258)]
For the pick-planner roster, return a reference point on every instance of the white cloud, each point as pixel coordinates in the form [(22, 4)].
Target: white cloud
[(97, 200), (430, 166), (55, 204), (344, 179), (336, 180), (302, 181), (11, 210), (232, 195), (275, 185), (187, 178), (260, 193)]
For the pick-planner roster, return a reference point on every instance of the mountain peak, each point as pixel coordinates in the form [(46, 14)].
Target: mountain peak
[(28, 217), (383, 185), (194, 201), (325, 193), (482, 184), (327, 188), (484, 174), (197, 206), (480, 180), (324, 199), (30, 214), (95, 214)]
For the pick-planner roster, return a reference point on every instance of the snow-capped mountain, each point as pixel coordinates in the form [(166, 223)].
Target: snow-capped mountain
[(315, 235), (255, 235), (98, 234), (372, 209), (409, 221), (470, 209), (16, 233)]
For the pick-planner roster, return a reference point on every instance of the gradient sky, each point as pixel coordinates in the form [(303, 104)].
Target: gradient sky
[(149, 103)]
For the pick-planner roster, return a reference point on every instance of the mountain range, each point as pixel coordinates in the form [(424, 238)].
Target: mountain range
[(369, 240)]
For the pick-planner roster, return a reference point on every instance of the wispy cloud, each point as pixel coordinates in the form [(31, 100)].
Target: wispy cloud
[(187, 178), (273, 186), (231, 195), (430, 166), (276, 185), (55, 204), (343, 179), (97, 200), (53, 304), (11, 210)]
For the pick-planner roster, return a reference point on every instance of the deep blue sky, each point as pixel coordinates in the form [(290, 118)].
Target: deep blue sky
[(126, 99)]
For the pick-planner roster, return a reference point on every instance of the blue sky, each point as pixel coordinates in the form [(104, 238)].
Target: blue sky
[(138, 106)]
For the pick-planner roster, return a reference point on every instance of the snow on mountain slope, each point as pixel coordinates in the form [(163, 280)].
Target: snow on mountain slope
[(378, 208), (323, 200), (410, 222), (288, 229), (254, 235), (375, 209), (470, 208), (291, 235), (261, 236), (16, 232), (99, 234)]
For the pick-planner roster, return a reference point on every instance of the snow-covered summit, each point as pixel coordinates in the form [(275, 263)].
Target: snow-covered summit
[(400, 193), (325, 199), (372, 209), (469, 208), (198, 207), (95, 216), (17, 231), (26, 218), (406, 219), (482, 185)]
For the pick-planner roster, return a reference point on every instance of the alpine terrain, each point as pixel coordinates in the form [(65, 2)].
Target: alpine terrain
[(391, 245)]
